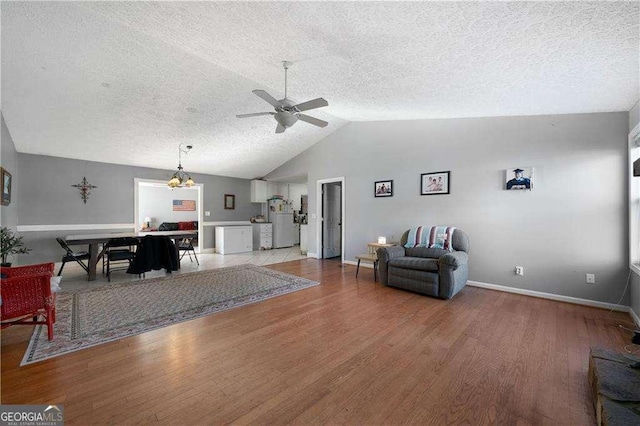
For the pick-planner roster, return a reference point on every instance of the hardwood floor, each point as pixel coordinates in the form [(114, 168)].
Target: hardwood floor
[(346, 351)]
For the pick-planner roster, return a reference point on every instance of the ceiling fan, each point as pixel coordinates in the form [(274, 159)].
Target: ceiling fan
[(286, 112)]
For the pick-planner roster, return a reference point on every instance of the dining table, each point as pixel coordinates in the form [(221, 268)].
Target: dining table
[(96, 240)]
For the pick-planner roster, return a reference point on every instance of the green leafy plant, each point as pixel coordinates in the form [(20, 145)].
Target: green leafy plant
[(10, 244)]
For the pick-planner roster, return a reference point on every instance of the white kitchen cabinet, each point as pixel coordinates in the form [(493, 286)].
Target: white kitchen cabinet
[(262, 236), (296, 234), (259, 189), (234, 239)]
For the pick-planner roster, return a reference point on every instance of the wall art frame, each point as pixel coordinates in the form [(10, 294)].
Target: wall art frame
[(435, 183), (383, 188)]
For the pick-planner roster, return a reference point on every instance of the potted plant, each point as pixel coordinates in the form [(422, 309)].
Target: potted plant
[(10, 244)]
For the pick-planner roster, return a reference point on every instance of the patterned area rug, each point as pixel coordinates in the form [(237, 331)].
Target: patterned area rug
[(94, 316)]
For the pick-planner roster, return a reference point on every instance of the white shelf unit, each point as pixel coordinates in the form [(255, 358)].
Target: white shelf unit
[(262, 236), (234, 239)]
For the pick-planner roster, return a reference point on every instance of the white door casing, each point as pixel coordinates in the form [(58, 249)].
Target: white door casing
[(317, 216), (332, 220), (137, 182)]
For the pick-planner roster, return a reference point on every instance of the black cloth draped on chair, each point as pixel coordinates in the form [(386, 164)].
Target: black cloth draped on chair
[(155, 252)]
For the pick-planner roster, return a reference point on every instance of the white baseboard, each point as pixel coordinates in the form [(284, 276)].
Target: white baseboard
[(314, 255), (362, 265), (99, 226), (227, 223), (74, 227), (206, 251), (635, 317), (550, 296)]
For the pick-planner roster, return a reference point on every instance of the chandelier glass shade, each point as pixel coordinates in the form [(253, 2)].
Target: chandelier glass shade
[(181, 178)]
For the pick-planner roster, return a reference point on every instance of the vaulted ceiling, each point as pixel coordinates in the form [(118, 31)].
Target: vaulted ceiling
[(127, 82)]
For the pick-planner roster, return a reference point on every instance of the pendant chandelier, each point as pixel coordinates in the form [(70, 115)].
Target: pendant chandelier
[(181, 178)]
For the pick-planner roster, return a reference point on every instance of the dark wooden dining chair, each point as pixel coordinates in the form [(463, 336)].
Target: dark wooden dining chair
[(71, 256), (119, 254), (186, 247)]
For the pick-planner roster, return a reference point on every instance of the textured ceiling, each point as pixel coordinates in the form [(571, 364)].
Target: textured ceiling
[(126, 82)]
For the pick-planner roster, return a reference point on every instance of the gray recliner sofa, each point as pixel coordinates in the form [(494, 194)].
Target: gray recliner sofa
[(430, 271)]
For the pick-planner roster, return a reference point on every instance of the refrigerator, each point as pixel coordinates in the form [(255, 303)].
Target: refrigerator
[(281, 217)]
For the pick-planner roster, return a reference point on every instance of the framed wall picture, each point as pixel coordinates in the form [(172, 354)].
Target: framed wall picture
[(184, 205), (519, 178), (6, 187), (229, 201), (383, 188), (435, 183)]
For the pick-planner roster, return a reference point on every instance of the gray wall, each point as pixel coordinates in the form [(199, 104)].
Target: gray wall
[(634, 120), (635, 293), (47, 198), (634, 116), (8, 160), (573, 222)]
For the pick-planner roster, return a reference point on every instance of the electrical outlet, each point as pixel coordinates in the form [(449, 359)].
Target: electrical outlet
[(591, 278), (519, 270), (207, 213)]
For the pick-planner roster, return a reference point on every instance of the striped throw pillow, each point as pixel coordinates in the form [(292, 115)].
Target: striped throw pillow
[(431, 236)]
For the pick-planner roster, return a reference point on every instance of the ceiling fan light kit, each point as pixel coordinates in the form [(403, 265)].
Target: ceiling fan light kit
[(286, 112)]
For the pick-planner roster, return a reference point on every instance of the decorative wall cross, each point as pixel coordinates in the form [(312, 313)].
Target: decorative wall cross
[(85, 189)]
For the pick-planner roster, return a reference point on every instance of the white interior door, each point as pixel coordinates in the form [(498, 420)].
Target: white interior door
[(332, 220)]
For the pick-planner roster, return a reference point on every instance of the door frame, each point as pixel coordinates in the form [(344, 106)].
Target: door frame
[(320, 218), (136, 206)]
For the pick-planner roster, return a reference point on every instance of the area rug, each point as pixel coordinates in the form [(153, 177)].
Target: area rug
[(91, 317)]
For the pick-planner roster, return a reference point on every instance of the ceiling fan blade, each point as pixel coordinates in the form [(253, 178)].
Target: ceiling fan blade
[(312, 104), (280, 128), (313, 120), (255, 114), (267, 97)]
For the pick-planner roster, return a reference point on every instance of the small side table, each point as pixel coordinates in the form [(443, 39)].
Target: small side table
[(372, 257)]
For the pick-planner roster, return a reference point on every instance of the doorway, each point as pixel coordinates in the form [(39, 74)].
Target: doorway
[(331, 213), (154, 199)]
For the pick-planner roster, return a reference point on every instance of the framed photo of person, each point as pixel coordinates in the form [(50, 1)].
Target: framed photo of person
[(435, 183), (383, 188), (519, 178), (6, 187)]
